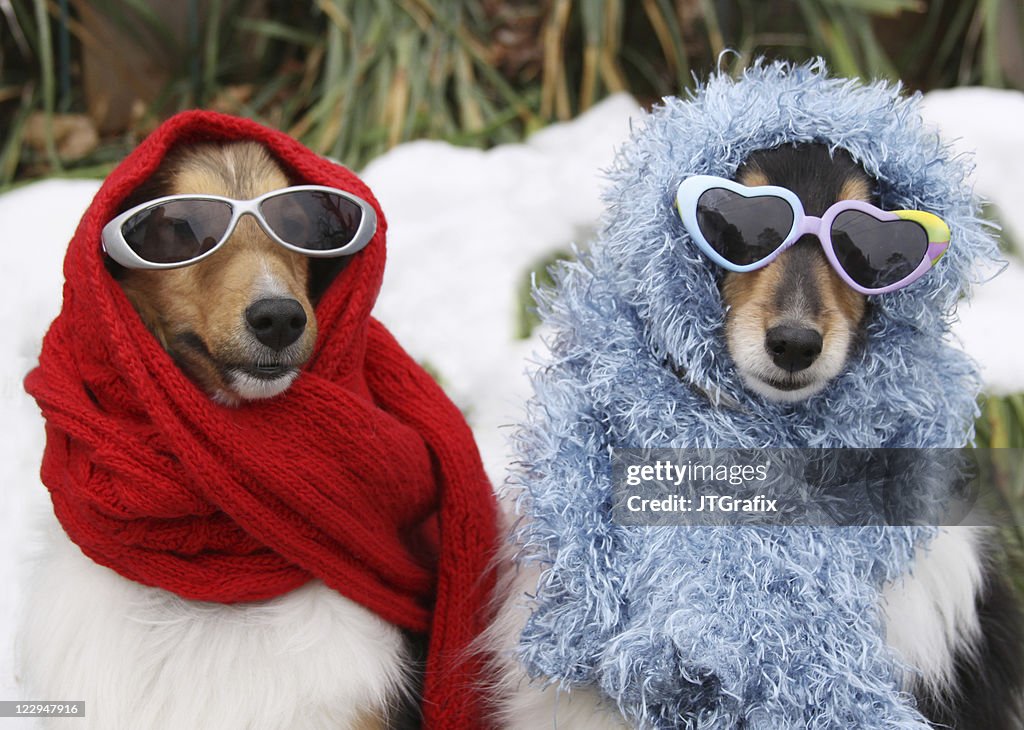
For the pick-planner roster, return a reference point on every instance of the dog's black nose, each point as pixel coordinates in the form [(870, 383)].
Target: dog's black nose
[(276, 323), (793, 348)]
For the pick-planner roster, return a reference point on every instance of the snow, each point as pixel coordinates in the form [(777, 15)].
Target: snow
[(463, 236), (981, 121), (465, 228)]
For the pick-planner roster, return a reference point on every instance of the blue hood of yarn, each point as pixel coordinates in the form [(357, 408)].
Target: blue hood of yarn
[(722, 627)]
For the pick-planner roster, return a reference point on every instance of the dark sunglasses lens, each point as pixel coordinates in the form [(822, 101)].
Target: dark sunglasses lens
[(178, 231), (312, 219), (875, 253), (743, 230)]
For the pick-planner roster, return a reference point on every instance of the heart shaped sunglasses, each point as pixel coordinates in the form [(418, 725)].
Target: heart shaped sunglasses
[(179, 230), (744, 228)]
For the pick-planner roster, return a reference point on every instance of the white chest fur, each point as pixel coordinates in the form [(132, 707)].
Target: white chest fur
[(930, 613), (142, 657)]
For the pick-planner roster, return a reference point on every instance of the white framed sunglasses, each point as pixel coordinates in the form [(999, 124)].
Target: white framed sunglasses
[(179, 230)]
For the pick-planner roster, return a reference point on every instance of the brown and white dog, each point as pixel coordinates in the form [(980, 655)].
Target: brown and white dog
[(790, 328), (240, 323)]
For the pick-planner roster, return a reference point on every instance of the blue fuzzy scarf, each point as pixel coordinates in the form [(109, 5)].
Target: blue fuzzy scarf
[(724, 627)]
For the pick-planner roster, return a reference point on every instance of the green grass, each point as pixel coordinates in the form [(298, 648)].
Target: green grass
[(538, 275), (1001, 426)]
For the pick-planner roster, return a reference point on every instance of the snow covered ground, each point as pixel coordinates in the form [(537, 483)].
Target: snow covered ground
[(464, 228)]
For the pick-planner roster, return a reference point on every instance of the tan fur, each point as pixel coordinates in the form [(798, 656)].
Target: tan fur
[(751, 291), (855, 189), (850, 304), (369, 722), (753, 177), (209, 298)]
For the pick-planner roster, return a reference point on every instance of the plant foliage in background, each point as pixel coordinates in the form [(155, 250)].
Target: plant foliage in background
[(352, 78), (1001, 426)]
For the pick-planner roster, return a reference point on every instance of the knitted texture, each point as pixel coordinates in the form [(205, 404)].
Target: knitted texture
[(362, 474), (725, 627)]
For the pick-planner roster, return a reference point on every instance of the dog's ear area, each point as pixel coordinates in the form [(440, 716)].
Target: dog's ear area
[(155, 186), (116, 271), (323, 272)]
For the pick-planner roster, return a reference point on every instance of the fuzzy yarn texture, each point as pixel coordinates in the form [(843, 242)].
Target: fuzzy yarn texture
[(363, 474), (726, 626)]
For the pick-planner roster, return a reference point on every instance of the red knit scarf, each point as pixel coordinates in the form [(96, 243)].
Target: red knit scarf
[(344, 477)]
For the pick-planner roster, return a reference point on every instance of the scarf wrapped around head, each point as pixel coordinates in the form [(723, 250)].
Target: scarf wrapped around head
[(362, 474), (725, 627)]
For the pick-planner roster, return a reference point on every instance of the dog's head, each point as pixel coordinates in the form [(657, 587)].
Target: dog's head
[(790, 326), (240, 322)]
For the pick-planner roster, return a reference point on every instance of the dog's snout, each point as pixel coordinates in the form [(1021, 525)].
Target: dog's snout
[(793, 348), (277, 322)]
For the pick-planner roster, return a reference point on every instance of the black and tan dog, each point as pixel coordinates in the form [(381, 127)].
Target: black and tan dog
[(791, 328), (790, 325)]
